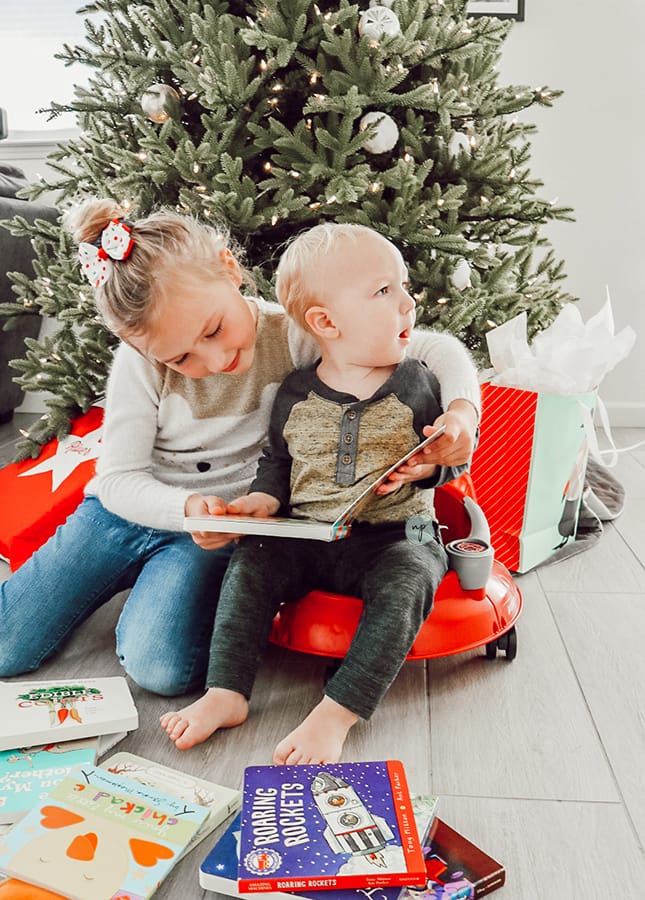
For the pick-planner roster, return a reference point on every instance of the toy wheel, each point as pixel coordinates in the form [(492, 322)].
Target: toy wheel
[(510, 643), (491, 649)]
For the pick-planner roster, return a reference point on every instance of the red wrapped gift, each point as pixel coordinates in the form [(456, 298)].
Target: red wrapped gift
[(528, 470), (39, 494)]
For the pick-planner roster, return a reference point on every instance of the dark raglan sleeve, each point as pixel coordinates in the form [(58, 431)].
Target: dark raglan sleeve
[(273, 474), (425, 400)]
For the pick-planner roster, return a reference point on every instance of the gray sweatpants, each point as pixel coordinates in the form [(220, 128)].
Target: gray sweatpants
[(395, 578)]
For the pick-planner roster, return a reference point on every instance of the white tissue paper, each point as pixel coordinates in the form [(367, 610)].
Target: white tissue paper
[(568, 357)]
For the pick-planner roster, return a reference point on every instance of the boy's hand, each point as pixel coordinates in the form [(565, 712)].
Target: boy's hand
[(415, 469), (197, 505), (454, 447), (254, 504)]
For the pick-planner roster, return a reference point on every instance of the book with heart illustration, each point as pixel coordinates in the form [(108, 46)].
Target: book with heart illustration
[(98, 835), (220, 801), (39, 712), (281, 526)]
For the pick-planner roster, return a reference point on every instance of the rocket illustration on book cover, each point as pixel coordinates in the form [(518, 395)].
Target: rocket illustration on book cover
[(324, 827)]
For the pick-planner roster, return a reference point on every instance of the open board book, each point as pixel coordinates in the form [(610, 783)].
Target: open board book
[(98, 836), (277, 526), (322, 827), (39, 712)]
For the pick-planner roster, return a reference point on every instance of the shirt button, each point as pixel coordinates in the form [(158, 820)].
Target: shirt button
[(348, 438), (351, 414), (347, 459)]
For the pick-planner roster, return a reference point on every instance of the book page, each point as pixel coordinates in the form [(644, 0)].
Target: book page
[(356, 505)]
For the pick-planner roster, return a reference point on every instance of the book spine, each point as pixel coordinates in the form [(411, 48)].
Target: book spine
[(329, 883), (410, 844), (490, 883)]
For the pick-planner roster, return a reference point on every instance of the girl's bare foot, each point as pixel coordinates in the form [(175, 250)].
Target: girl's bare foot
[(218, 708), (319, 738)]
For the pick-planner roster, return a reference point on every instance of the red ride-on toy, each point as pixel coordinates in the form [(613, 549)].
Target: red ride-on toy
[(476, 604)]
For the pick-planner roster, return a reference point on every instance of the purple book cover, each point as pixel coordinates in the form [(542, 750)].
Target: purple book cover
[(322, 827)]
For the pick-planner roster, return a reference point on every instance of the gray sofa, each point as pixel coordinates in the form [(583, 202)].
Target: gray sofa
[(16, 255)]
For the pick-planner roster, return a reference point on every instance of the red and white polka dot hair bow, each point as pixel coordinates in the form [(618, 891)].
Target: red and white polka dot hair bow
[(96, 259)]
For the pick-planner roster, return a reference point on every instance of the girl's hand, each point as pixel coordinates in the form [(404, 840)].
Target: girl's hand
[(197, 505), (254, 504)]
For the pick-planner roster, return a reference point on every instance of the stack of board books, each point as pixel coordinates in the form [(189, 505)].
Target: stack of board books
[(111, 831), (343, 832), (52, 728)]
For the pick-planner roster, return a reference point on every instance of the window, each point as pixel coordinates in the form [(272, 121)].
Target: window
[(31, 32)]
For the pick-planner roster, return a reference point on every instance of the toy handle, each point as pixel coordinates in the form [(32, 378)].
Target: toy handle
[(472, 557), (479, 529)]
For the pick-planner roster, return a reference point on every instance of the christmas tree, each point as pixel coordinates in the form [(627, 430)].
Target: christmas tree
[(276, 115)]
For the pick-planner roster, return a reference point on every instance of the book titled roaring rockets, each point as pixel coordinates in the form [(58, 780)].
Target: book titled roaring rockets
[(323, 827)]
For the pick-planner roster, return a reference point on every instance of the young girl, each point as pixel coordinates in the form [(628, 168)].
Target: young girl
[(186, 414)]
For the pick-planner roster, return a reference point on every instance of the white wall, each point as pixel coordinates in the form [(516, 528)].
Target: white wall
[(590, 153)]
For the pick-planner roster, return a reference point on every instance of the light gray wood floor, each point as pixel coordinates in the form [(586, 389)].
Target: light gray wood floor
[(540, 761)]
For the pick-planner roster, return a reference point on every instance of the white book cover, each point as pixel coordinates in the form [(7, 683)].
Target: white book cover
[(41, 712), (220, 801), (280, 526)]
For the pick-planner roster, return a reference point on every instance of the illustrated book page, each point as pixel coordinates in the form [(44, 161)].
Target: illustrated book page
[(277, 526), (323, 827)]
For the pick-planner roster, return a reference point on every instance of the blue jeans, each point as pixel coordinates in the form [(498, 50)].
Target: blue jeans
[(163, 633)]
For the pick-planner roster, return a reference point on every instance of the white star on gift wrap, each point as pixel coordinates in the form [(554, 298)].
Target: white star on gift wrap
[(70, 453)]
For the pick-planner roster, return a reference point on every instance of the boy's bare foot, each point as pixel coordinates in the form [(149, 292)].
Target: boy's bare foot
[(218, 708), (319, 738)]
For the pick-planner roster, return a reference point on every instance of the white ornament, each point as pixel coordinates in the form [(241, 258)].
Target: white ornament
[(160, 102), (378, 21), (457, 143), (461, 275), (385, 134)]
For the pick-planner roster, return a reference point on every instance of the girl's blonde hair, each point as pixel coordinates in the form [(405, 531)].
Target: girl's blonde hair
[(167, 248), (297, 282)]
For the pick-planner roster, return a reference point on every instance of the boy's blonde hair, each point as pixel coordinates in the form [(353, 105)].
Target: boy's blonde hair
[(297, 285), (168, 248)]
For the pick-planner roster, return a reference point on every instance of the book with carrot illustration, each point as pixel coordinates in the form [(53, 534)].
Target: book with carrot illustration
[(40, 712)]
